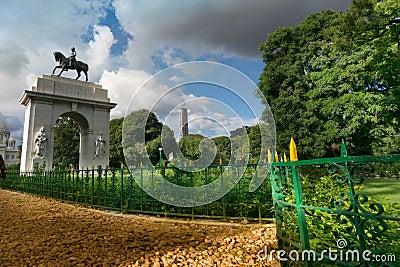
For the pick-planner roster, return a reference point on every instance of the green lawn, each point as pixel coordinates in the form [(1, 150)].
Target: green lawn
[(387, 190)]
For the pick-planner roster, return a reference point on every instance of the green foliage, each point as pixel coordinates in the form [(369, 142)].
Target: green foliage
[(239, 202), (223, 144), (133, 138), (247, 145), (66, 143), (323, 227), (334, 76), (240, 149), (38, 169), (116, 150), (139, 145), (13, 167), (189, 146), (255, 141)]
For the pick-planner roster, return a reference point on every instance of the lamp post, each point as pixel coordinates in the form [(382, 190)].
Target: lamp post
[(160, 149)]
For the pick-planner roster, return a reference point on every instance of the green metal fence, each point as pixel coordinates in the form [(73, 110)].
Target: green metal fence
[(121, 189), (324, 216)]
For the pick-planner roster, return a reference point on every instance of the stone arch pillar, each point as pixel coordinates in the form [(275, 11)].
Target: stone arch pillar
[(52, 97)]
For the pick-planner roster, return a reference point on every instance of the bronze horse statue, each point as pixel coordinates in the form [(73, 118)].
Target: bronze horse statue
[(75, 65)]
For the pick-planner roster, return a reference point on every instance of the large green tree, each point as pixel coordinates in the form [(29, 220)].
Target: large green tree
[(247, 146), (335, 76), (189, 146), (143, 135)]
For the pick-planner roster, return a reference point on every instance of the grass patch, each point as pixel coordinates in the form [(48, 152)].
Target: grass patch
[(386, 190)]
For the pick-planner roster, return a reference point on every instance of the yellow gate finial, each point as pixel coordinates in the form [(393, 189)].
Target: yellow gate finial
[(293, 150), (269, 156)]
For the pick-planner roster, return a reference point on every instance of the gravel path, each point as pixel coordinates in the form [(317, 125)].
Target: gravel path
[(37, 231)]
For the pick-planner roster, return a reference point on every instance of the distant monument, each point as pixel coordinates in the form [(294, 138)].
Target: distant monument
[(7, 146), (183, 123), (53, 97)]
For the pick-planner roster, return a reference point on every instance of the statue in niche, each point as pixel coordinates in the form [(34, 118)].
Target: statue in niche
[(41, 143), (100, 146)]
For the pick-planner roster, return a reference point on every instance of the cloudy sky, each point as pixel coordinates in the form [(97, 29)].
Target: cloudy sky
[(126, 42)]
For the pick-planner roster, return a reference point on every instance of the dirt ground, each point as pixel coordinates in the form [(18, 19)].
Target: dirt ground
[(37, 231)]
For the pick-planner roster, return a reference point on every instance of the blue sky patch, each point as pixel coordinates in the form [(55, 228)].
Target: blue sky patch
[(120, 35)]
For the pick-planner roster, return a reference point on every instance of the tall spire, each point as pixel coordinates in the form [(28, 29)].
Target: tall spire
[(183, 122)]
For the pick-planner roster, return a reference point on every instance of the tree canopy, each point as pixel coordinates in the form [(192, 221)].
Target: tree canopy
[(138, 145), (336, 76)]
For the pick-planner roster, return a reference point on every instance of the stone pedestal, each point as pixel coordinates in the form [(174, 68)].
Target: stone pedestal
[(87, 103), (40, 163)]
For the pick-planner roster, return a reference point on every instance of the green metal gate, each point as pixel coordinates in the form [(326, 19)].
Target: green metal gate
[(325, 218)]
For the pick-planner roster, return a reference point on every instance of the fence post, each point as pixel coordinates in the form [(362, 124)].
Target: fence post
[(141, 189), (301, 216), (191, 186), (223, 196), (92, 188), (276, 197), (258, 195), (162, 170), (122, 185)]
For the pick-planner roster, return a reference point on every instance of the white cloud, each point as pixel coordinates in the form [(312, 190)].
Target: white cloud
[(176, 79), (99, 49), (121, 85), (205, 125), (13, 58), (170, 57)]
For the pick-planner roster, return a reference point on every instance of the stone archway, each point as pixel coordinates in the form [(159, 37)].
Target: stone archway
[(87, 103), (82, 127)]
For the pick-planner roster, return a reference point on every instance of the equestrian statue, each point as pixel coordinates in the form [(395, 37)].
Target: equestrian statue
[(70, 63)]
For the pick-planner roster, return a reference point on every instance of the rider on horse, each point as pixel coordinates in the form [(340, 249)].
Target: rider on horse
[(70, 63), (72, 56)]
